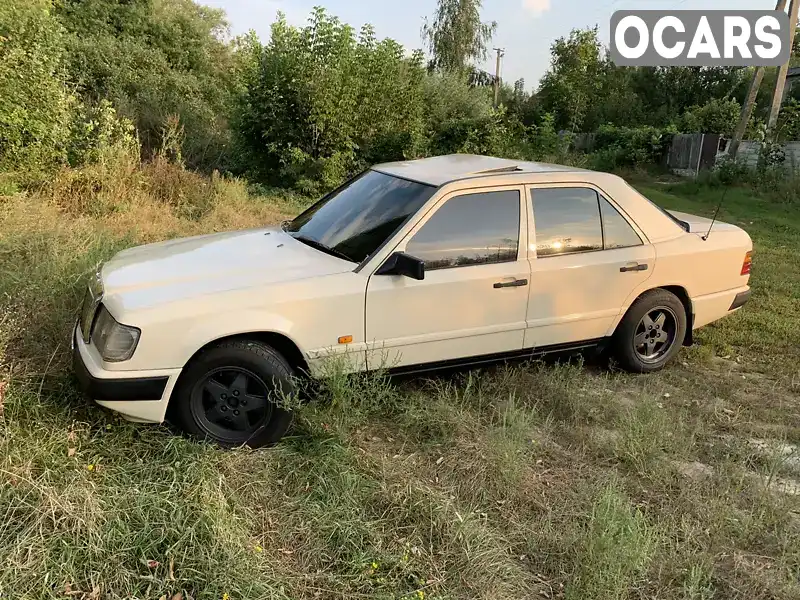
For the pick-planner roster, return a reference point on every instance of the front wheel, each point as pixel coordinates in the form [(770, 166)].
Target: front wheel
[(651, 332), (231, 394)]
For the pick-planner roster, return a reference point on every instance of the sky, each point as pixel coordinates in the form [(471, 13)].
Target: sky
[(525, 28)]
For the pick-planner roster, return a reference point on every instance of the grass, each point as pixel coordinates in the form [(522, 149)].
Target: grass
[(550, 480)]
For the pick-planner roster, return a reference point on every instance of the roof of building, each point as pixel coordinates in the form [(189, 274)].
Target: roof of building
[(439, 170)]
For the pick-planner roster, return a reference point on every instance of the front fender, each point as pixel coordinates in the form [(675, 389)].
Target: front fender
[(206, 332)]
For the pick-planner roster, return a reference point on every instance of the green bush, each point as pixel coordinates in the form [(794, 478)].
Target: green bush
[(448, 96), (492, 134), (773, 181), (152, 61), (617, 147), (35, 103), (320, 102), (97, 131), (717, 116)]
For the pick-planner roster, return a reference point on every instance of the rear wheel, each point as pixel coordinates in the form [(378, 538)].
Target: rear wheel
[(231, 394), (651, 333)]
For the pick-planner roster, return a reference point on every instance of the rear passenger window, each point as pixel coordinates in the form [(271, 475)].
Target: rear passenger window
[(567, 220), (617, 233)]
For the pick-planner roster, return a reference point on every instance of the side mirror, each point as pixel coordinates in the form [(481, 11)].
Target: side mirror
[(404, 264)]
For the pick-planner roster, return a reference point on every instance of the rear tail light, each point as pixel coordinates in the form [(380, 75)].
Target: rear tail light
[(748, 262)]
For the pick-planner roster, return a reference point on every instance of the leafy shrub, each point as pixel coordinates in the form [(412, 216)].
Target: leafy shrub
[(776, 182), (729, 171), (97, 131), (153, 60), (545, 140), (788, 127), (629, 147), (320, 102), (448, 96), (717, 116), (465, 135), (35, 104)]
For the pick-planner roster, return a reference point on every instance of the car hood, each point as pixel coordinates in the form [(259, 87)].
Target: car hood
[(214, 263)]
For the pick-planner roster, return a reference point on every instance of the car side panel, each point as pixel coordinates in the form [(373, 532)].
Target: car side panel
[(709, 271), (313, 313), (578, 297), (452, 313)]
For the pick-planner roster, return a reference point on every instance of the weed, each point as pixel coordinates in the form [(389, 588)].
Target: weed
[(615, 549)]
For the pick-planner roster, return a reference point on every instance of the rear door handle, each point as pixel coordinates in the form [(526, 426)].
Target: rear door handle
[(633, 267), (509, 284)]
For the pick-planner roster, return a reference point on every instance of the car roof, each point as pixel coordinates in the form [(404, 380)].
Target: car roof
[(439, 170)]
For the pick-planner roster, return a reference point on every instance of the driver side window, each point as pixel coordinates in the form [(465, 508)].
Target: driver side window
[(471, 229)]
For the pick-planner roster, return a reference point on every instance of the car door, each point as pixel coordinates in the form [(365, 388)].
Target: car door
[(586, 259), (473, 298)]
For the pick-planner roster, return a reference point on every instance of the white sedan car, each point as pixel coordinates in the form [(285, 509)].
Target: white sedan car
[(411, 266)]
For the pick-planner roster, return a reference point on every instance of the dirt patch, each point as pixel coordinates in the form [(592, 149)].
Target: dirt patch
[(785, 454), (784, 486), (693, 470)]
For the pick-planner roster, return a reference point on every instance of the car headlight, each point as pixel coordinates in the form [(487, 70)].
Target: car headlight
[(115, 342)]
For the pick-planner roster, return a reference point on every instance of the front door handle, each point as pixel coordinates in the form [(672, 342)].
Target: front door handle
[(633, 267), (509, 284)]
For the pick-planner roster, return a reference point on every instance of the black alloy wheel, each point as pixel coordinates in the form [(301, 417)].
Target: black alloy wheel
[(232, 394), (231, 403)]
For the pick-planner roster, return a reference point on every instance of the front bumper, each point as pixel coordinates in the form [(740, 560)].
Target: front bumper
[(137, 395), (133, 389)]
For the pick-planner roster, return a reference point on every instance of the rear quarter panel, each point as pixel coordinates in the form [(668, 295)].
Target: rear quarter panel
[(709, 271)]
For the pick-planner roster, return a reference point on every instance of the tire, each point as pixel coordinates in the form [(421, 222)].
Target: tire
[(227, 395), (642, 342)]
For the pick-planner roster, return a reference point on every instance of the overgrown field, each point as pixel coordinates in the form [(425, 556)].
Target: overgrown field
[(539, 480)]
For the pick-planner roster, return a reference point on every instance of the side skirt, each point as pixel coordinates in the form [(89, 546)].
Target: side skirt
[(598, 343)]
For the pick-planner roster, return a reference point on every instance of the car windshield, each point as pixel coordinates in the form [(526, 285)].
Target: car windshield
[(355, 220)]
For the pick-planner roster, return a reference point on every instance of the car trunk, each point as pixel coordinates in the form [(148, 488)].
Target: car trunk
[(701, 224)]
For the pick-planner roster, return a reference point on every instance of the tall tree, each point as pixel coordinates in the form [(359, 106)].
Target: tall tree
[(457, 36), (571, 85)]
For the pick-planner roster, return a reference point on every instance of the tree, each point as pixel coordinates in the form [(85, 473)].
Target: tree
[(717, 116), (573, 81), (457, 36), (153, 61), (667, 92), (35, 103), (322, 101)]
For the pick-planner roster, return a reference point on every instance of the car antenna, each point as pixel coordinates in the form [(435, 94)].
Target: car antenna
[(716, 212)]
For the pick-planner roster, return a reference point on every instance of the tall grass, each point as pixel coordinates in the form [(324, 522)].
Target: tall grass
[(552, 479)]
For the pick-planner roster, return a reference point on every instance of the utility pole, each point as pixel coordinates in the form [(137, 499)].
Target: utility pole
[(747, 111), (777, 96), (500, 53), (750, 101)]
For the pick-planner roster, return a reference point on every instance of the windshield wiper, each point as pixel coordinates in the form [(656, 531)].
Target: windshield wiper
[(322, 247)]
